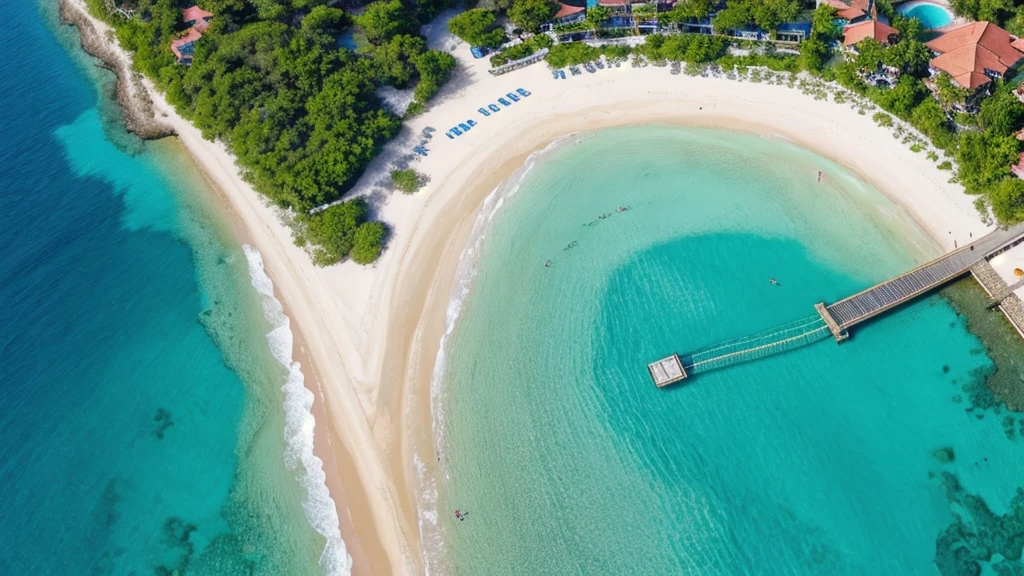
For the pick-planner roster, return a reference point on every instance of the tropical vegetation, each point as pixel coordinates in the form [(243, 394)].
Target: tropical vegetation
[(300, 113)]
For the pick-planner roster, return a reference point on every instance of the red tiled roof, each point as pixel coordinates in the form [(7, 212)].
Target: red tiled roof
[(565, 10), (197, 16), (849, 10), (192, 36), (194, 13), (869, 29), (1018, 168), (967, 52)]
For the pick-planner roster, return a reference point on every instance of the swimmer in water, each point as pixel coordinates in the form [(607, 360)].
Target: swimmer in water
[(774, 282)]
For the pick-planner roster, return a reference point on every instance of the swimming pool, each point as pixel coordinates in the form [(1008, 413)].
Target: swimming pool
[(931, 15)]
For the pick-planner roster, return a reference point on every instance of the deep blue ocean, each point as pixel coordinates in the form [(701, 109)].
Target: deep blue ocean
[(141, 411)]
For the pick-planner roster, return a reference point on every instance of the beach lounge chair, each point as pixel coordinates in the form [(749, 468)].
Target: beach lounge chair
[(483, 111), (575, 70), (590, 67), (523, 92), (599, 64), (512, 97), (562, 74), (449, 135), (494, 107), (471, 123), (464, 127), (504, 102), (456, 131)]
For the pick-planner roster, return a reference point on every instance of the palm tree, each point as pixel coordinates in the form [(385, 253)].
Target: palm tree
[(596, 17), (643, 12)]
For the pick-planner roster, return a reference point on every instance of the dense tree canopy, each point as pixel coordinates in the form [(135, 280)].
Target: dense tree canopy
[(992, 10), (985, 159), (335, 229), (385, 19), (766, 14), (300, 113), (688, 9), (531, 14), (477, 27), (1001, 113)]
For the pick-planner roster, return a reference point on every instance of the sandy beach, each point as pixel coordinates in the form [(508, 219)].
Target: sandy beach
[(371, 334)]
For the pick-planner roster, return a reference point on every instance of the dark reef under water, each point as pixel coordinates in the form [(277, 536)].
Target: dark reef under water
[(977, 535)]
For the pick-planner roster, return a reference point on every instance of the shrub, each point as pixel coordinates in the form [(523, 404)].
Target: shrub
[(368, 242), (407, 181)]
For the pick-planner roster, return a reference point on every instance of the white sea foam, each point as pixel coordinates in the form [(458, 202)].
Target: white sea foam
[(299, 424), (430, 530)]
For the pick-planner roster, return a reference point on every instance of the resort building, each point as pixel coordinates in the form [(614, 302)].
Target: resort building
[(976, 53), (197, 18), (184, 47), (198, 21), (852, 10), (855, 33), (568, 14), (793, 32), (615, 6)]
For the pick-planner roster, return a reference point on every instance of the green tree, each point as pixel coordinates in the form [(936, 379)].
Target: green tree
[(1007, 200), (368, 242), (909, 28), (407, 181), (477, 28), (870, 53), (949, 92), (1015, 24), (813, 54), (984, 159), (333, 230), (687, 9), (322, 19), (769, 14), (992, 10), (435, 68), (393, 61), (531, 14), (910, 56), (385, 19), (735, 16), (932, 121), (823, 23), (1001, 113), (597, 15), (902, 98)]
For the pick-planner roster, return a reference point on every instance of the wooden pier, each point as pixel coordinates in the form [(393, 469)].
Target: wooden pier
[(908, 286), (667, 371), (839, 317), (838, 333)]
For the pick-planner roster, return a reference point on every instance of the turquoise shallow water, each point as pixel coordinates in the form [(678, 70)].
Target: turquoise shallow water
[(931, 15), (865, 458), (141, 409)]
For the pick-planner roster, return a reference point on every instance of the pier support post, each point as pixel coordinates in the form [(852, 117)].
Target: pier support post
[(837, 333)]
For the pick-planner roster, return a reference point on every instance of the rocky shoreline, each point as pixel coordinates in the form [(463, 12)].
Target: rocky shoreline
[(131, 94)]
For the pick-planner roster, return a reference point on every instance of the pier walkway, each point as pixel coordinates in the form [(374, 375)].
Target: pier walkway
[(910, 285), (836, 319)]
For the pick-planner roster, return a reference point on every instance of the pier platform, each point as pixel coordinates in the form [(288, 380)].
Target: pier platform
[(667, 371), (838, 333)]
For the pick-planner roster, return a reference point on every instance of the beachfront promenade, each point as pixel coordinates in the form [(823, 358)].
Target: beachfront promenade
[(836, 319)]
